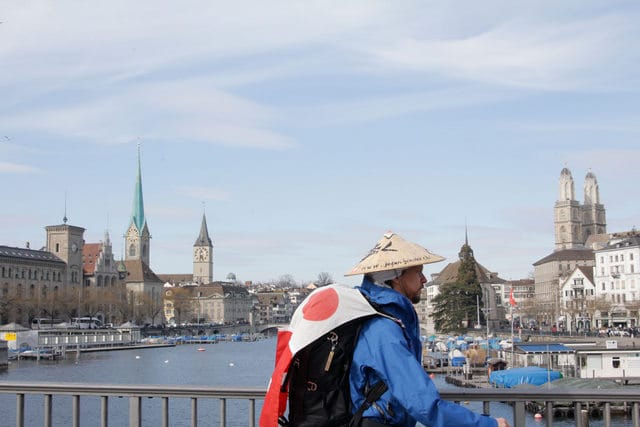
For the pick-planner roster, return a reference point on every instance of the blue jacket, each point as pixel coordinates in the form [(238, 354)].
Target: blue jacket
[(385, 352)]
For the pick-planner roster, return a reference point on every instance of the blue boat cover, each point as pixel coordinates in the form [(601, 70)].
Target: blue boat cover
[(529, 375)]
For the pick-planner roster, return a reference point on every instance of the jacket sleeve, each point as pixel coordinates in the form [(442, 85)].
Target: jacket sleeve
[(383, 349)]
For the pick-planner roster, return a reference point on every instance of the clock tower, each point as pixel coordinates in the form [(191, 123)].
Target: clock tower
[(66, 242), (137, 237), (203, 256)]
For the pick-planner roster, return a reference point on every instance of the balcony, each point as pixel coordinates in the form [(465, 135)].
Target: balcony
[(135, 395)]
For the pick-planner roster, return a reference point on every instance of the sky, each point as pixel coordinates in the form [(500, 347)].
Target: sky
[(306, 130)]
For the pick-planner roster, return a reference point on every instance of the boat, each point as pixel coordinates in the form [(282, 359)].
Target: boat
[(202, 349), (534, 375)]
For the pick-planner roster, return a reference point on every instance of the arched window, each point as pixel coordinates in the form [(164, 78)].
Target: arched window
[(132, 250), (99, 282)]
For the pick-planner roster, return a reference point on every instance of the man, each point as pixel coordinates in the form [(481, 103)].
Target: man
[(391, 351)]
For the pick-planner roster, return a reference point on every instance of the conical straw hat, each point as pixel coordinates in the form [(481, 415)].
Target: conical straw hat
[(393, 252)]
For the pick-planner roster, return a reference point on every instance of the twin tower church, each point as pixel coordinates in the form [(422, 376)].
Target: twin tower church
[(576, 222)]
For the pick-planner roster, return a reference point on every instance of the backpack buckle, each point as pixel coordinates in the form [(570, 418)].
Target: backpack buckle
[(311, 386)]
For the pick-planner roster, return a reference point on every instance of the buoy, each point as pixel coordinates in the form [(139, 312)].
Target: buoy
[(137, 357), (231, 364), (538, 416), (166, 361), (432, 375)]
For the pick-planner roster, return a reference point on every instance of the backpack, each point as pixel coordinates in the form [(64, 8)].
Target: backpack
[(318, 381), (313, 359)]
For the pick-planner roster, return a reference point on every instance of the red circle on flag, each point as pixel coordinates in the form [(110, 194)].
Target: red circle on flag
[(321, 306)]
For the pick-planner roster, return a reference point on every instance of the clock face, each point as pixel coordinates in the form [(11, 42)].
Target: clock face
[(201, 254)]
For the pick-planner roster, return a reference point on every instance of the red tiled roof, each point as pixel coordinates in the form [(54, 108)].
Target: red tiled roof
[(90, 253)]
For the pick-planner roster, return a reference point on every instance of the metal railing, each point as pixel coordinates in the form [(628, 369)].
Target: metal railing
[(580, 400)]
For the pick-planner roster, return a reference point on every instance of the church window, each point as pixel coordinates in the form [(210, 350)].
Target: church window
[(132, 250)]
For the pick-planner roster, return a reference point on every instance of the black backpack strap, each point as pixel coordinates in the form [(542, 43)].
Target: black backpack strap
[(374, 394)]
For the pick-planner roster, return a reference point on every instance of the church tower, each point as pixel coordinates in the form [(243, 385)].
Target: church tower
[(567, 215), (203, 255), (593, 213), (137, 238), (66, 242)]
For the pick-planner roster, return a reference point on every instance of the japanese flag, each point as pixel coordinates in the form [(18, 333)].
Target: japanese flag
[(324, 309)]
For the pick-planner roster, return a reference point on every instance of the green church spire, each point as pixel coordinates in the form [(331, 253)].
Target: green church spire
[(137, 214)]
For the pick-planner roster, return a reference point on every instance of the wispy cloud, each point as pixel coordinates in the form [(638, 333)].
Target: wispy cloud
[(15, 168), (529, 52), (185, 110)]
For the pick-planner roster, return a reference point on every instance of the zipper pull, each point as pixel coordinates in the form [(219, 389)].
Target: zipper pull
[(333, 337)]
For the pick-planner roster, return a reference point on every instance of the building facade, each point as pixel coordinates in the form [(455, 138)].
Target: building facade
[(617, 281), (30, 282)]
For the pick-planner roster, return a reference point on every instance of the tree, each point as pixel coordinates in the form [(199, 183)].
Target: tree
[(182, 303), (602, 306), (286, 281), (150, 307), (457, 302), (324, 279)]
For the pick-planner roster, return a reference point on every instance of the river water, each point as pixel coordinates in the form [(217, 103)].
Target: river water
[(223, 364)]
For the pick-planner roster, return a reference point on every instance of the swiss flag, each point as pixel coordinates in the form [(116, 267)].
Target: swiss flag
[(323, 310), (512, 300)]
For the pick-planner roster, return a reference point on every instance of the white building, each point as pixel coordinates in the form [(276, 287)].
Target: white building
[(617, 279), (577, 291)]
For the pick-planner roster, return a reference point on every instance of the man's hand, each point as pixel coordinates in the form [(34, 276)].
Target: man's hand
[(502, 422)]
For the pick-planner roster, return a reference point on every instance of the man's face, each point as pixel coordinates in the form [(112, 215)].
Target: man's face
[(410, 283)]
